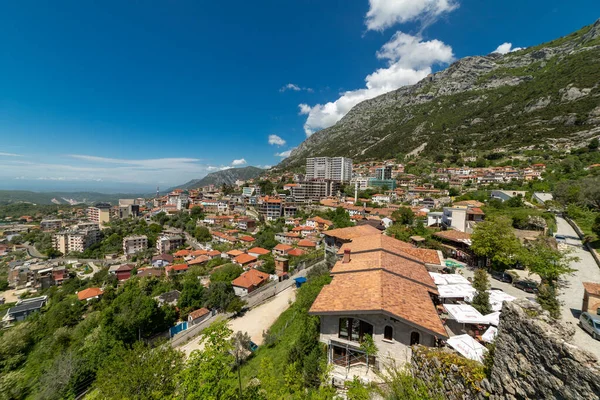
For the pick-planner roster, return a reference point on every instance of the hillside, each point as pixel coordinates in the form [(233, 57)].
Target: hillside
[(227, 176), (542, 95), (20, 196)]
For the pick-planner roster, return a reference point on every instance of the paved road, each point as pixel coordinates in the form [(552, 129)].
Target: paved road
[(572, 293), (95, 269), (33, 252), (255, 321)]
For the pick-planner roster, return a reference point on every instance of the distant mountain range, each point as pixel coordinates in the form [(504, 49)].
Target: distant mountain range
[(227, 176), (24, 196), (546, 95)]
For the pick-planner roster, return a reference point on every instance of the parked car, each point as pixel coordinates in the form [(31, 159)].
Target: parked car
[(502, 276), (253, 346), (560, 238), (591, 324), (526, 286)]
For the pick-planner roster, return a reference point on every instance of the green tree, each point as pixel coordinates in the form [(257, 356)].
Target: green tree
[(400, 384), (240, 345), (192, 297), (202, 234), (208, 374), (226, 273), (550, 263), (596, 226), (593, 145), (357, 391), (481, 300), (547, 297), (495, 239), (404, 216), (140, 373), (368, 346)]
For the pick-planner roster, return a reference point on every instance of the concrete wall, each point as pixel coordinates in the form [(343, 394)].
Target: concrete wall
[(397, 350)]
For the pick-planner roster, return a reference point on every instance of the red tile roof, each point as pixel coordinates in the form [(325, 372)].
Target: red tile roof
[(199, 260), (89, 293), (282, 247), (244, 259), (246, 238), (259, 250), (306, 243), (296, 252), (250, 278), (182, 253), (391, 245), (214, 253), (352, 232), (199, 313), (379, 291)]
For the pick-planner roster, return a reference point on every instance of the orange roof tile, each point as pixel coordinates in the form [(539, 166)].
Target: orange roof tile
[(391, 245), (379, 259), (244, 259), (352, 232), (199, 260), (454, 235), (306, 243), (89, 293), (250, 278), (379, 291), (246, 238), (214, 253), (199, 313), (182, 253), (296, 252), (259, 250), (234, 253), (197, 253), (282, 247), (592, 288)]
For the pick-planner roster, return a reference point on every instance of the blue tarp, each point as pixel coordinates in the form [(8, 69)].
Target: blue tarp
[(300, 281)]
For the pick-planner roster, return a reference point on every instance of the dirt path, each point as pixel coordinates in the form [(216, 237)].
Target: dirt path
[(254, 321)]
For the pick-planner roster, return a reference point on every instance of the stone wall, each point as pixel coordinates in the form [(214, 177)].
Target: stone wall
[(534, 359), (449, 375)]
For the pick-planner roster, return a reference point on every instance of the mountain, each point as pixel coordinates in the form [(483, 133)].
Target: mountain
[(227, 176), (24, 196), (547, 95)]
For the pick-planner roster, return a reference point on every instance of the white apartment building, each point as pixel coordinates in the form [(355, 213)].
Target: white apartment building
[(333, 168), (134, 244), (164, 244), (99, 214), (51, 224), (77, 239)]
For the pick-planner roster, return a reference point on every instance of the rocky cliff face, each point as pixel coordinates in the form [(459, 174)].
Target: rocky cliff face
[(227, 176), (548, 94)]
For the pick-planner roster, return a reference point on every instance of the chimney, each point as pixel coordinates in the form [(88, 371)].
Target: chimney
[(346, 259)]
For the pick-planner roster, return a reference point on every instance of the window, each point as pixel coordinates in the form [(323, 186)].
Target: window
[(354, 329), (388, 332), (414, 338)]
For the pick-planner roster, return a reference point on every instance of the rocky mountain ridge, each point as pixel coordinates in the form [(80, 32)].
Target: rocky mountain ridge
[(546, 95), (227, 176)]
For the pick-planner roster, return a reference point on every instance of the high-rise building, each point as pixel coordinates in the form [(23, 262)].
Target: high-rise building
[(383, 173), (99, 213), (313, 191), (332, 168)]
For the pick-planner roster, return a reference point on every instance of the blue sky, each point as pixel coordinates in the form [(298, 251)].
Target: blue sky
[(128, 95)]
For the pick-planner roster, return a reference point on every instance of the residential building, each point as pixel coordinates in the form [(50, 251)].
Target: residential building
[(90, 294), (23, 308), (134, 244), (313, 191), (462, 218), (162, 260), (383, 173), (319, 223), (99, 213), (504, 195), (541, 197), (168, 243), (198, 316), (335, 238), (76, 239), (281, 249), (246, 224), (51, 224), (123, 272), (591, 298), (270, 207), (368, 295), (387, 184), (244, 259), (249, 281), (258, 251), (249, 191), (176, 269), (332, 168)]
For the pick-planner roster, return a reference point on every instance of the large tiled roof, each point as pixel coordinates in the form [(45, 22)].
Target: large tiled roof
[(352, 232), (393, 263), (453, 235), (258, 250), (250, 278), (389, 244), (199, 313), (379, 290)]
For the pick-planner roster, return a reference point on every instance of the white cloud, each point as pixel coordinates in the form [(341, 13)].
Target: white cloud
[(505, 48), (295, 88), (276, 140), (9, 155), (284, 154), (241, 161), (384, 13), (409, 60)]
